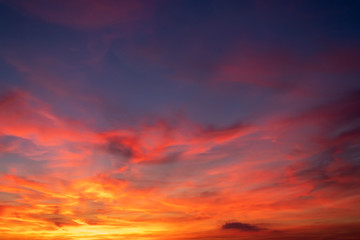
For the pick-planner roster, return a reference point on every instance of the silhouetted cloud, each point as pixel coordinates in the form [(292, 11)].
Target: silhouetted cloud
[(242, 227)]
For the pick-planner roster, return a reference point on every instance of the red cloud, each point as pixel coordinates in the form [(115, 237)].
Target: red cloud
[(27, 117), (200, 175)]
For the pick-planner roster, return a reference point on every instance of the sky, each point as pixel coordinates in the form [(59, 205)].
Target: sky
[(179, 120)]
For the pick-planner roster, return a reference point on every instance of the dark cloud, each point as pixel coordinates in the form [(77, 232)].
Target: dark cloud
[(242, 227), (214, 132), (334, 115), (116, 147), (58, 219), (329, 170), (335, 164)]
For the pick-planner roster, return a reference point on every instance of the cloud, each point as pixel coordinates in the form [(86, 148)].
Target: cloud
[(26, 116), (285, 70), (87, 15), (57, 219), (268, 68), (89, 142), (116, 147), (242, 227), (165, 142)]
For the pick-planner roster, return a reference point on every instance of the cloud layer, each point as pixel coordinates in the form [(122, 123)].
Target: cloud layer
[(158, 120)]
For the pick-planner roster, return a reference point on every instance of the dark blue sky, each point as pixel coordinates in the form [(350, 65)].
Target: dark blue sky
[(168, 57)]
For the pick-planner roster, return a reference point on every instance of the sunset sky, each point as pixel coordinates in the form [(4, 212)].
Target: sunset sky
[(179, 120)]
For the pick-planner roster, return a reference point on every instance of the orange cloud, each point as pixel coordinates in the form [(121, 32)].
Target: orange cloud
[(145, 181)]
